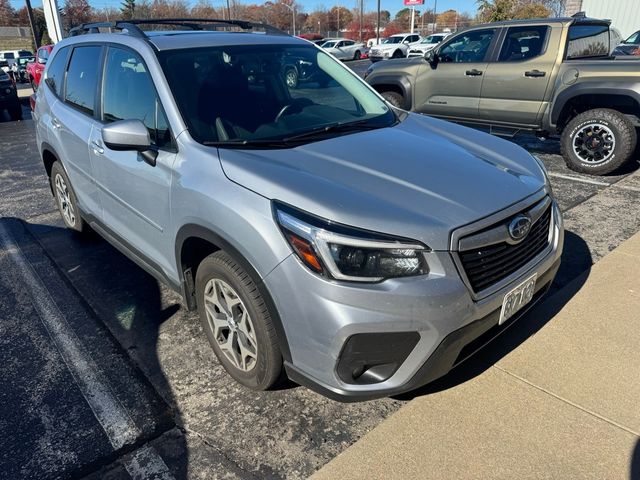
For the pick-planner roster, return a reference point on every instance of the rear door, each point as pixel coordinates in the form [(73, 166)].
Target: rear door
[(72, 121), (135, 194), (515, 84), (452, 89)]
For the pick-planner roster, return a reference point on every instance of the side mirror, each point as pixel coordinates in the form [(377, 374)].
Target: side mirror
[(432, 57), (42, 61), (406, 42), (130, 135)]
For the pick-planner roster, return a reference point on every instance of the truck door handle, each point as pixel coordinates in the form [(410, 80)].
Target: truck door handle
[(97, 148), (473, 73), (534, 73)]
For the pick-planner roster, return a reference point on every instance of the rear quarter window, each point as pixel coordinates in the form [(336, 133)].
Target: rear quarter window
[(588, 41)]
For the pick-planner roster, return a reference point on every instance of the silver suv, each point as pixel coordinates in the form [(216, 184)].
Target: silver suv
[(321, 234)]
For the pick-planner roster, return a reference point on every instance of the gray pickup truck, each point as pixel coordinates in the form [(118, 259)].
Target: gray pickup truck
[(552, 76)]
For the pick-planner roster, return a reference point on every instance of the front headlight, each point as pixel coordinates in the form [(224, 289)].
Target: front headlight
[(346, 253)]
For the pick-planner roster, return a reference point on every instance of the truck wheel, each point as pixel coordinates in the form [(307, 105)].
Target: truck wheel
[(394, 98), (66, 198), (237, 322), (598, 141), (34, 87), (397, 54), (357, 55), (291, 77)]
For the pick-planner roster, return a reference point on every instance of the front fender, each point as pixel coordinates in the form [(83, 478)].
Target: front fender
[(400, 81)]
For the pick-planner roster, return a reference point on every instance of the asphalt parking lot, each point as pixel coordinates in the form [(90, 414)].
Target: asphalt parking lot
[(106, 375)]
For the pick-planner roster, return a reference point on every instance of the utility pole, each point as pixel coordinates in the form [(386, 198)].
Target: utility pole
[(338, 7), (34, 30), (435, 16), (378, 26), (293, 12), (361, 15)]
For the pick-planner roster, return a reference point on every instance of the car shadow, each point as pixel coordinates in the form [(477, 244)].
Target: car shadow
[(131, 304), (634, 473), (573, 273)]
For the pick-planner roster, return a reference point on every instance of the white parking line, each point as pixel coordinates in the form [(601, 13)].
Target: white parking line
[(111, 415), (578, 179)]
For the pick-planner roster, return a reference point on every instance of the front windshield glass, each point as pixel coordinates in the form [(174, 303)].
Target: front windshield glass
[(393, 40), (243, 94), (431, 39)]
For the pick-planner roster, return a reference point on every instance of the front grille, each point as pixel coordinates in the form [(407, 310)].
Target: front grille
[(487, 265)]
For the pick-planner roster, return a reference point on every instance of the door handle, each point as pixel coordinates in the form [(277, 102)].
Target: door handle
[(473, 73), (534, 73), (97, 148), (55, 123)]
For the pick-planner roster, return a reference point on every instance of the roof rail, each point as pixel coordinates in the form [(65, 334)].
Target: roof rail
[(131, 27)]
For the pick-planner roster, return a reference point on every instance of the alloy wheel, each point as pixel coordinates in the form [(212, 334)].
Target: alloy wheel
[(231, 324), (64, 200), (594, 143)]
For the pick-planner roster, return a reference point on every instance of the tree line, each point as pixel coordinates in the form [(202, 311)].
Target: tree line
[(280, 13)]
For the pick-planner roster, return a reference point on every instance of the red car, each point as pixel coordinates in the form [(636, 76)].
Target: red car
[(35, 69)]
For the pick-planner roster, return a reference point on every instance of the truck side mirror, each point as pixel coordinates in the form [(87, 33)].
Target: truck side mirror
[(432, 57)]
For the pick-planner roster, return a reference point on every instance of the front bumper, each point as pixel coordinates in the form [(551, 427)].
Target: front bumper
[(320, 317)]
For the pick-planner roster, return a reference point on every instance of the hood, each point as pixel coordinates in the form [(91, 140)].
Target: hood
[(388, 46), (420, 179)]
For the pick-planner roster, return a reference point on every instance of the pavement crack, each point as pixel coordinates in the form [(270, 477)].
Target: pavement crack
[(219, 451), (569, 402)]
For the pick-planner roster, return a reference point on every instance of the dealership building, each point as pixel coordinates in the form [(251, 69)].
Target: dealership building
[(624, 14)]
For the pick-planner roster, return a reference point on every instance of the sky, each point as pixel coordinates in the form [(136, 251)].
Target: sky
[(309, 5)]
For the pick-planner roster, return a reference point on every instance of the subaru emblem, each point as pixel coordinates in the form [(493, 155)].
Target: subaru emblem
[(519, 227)]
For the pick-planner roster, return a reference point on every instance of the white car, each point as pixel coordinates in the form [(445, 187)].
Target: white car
[(344, 49), (396, 46), (427, 43)]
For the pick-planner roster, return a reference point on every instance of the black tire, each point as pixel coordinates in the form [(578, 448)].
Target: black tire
[(398, 54), (267, 367), (593, 125), (78, 223), (357, 55), (34, 87), (291, 77), (15, 112), (394, 98)]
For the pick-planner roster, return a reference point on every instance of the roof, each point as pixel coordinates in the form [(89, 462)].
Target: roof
[(177, 39), (529, 21)]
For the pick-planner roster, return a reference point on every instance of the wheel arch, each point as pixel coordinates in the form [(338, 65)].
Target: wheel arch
[(49, 157), (194, 243), (399, 84), (583, 97)]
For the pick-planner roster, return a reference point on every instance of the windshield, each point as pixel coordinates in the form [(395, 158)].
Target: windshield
[(393, 40), (432, 39), (242, 94), (329, 44), (25, 53)]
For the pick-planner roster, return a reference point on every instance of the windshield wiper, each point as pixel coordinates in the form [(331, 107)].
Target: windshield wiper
[(264, 143), (338, 127)]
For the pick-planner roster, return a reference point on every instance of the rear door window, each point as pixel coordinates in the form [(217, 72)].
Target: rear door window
[(523, 43), (82, 78), (55, 71)]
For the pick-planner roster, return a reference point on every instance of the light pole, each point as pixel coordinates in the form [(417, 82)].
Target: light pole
[(378, 26), (293, 12)]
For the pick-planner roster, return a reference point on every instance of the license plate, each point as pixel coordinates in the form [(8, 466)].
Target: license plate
[(517, 298)]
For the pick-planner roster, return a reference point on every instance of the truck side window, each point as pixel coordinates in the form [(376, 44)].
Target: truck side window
[(523, 43), (132, 95), (588, 41), (467, 47)]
